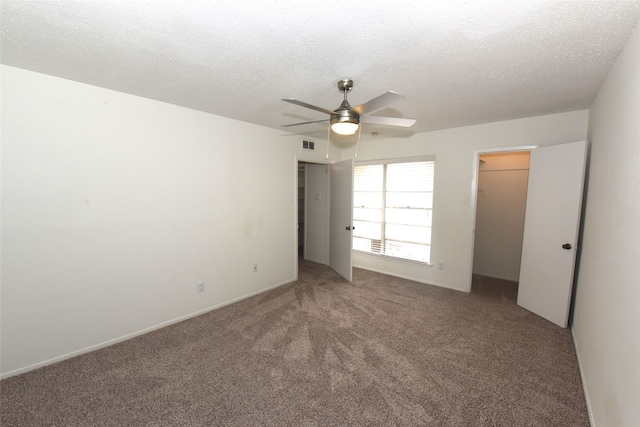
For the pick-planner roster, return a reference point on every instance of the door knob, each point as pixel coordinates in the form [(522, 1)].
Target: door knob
[(566, 246)]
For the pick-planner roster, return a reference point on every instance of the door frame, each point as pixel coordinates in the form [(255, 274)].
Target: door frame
[(294, 201), (474, 193)]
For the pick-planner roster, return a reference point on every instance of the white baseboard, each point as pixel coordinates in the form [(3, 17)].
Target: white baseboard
[(582, 378), (135, 334), (407, 277)]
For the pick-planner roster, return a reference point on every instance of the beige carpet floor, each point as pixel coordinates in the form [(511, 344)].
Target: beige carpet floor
[(380, 351)]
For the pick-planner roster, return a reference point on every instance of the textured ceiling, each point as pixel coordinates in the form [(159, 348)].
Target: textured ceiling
[(457, 62)]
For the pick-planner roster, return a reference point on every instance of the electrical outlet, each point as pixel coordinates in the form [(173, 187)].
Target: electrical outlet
[(255, 268), (201, 287), (441, 265)]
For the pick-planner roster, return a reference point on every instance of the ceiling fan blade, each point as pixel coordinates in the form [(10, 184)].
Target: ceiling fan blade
[(389, 121), (304, 104), (305, 123), (378, 102)]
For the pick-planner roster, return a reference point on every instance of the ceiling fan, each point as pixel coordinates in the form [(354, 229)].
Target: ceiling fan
[(345, 120)]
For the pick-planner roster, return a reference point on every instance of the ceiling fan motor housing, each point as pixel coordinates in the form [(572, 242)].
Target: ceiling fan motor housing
[(345, 115)]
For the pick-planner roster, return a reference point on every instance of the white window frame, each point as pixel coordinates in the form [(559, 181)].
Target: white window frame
[(385, 162)]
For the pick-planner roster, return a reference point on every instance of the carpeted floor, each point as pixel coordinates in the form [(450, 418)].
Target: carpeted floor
[(380, 351)]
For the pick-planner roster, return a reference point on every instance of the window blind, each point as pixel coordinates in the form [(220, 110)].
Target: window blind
[(392, 211)]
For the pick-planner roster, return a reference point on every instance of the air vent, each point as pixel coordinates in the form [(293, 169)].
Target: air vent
[(308, 145)]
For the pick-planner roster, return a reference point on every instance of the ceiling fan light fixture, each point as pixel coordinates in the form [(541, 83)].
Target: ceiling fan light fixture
[(345, 121), (345, 128)]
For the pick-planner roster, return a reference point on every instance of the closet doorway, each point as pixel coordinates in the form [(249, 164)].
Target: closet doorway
[(313, 211), (500, 202)]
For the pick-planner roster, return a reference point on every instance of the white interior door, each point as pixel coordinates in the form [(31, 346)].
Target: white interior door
[(341, 217), (552, 220)]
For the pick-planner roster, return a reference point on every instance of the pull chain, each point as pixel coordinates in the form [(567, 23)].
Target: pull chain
[(328, 140), (358, 141)]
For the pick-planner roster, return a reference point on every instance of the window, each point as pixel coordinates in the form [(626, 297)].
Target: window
[(392, 210)]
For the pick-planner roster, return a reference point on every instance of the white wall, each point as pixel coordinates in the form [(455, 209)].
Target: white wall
[(114, 207), (454, 151), (500, 209), (606, 321)]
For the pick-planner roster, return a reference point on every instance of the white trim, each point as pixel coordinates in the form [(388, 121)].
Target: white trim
[(406, 277), (584, 380), (474, 194), (306, 159), (137, 333)]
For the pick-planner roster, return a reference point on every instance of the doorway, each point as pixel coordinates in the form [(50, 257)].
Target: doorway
[(327, 209), (301, 207), (499, 194), (312, 186)]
